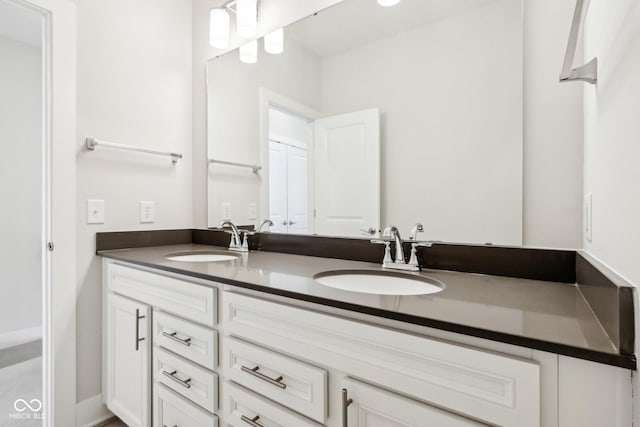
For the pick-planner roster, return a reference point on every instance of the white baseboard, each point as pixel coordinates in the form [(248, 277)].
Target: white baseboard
[(91, 412), (23, 336)]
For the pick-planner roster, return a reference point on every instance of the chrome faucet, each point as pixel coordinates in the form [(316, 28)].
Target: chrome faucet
[(236, 243), (391, 234), (266, 222)]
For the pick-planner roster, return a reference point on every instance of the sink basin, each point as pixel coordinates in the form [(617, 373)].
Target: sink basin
[(379, 282), (201, 256)]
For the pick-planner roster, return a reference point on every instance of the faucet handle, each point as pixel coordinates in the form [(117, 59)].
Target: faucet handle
[(417, 228), (387, 260)]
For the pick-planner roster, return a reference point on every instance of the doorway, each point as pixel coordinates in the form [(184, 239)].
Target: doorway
[(289, 178), (23, 217)]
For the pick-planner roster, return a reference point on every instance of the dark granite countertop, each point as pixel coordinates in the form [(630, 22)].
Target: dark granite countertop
[(547, 316)]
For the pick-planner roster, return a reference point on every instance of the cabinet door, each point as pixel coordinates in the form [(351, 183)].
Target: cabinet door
[(373, 407), (128, 359)]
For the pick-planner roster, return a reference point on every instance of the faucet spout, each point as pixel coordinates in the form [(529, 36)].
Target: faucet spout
[(266, 222), (394, 233), (235, 233)]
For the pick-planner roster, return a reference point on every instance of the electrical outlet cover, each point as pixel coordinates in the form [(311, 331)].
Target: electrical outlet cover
[(588, 217), (226, 211), (252, 212), (147, 212)]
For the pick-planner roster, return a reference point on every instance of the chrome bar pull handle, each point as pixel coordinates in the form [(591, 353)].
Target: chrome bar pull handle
[(273, 381), (251, 421), (345, 407), (138, 339), (172, 375), (174, 336)]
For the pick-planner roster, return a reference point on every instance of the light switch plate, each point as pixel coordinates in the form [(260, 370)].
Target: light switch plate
[(588, 217), (147, 212), (95, 211)]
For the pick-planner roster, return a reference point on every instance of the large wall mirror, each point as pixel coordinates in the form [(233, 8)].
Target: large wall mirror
[(374, 116)]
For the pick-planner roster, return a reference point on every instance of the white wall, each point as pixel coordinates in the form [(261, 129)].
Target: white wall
[(134, 87), (552, 130), (612, 135), (451, 121), (21, 192), (552, 121)]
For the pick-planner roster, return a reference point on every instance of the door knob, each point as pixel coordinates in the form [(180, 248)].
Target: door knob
[(370, 231), (291, 222), (284, 222)]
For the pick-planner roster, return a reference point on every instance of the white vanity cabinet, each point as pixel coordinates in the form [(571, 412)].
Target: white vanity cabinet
[(177, 355), (128, 360), (394, 378), (160, 348)]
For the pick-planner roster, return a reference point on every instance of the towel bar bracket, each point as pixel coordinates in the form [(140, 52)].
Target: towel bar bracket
[(588, 72)]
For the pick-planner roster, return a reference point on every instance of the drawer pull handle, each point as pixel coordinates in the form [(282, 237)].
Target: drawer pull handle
[(345, 404), (276, 382), (172, 375), (174, 336), (138, 339), (251, 421)]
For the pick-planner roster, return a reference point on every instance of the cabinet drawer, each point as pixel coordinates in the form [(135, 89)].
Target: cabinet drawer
[(191, 381), (189, 300), (297, 385), (172, 410), (191, 341), (242, 405)]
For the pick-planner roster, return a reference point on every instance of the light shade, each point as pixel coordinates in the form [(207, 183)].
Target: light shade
[(219, 28), (249, 52), (274, 42), (247, 18), (387, 3)]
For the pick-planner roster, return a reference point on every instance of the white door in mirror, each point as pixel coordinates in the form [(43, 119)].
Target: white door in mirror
[(347, 171)]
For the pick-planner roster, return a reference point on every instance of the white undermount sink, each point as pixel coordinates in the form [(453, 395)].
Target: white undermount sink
[(379, 282), (200, 256)]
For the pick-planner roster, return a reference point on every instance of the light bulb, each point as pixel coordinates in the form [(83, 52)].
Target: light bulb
[(388, 3), (249, 52), (219, 28), (247, 18), (274, 42)]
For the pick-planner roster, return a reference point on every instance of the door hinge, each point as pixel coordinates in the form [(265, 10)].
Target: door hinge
[(50, 246)]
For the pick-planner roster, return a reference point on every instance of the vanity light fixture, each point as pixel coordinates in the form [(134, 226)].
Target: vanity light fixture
[(247, 18), (388, 3), (274, 42), (219, 28), (249, 52)]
